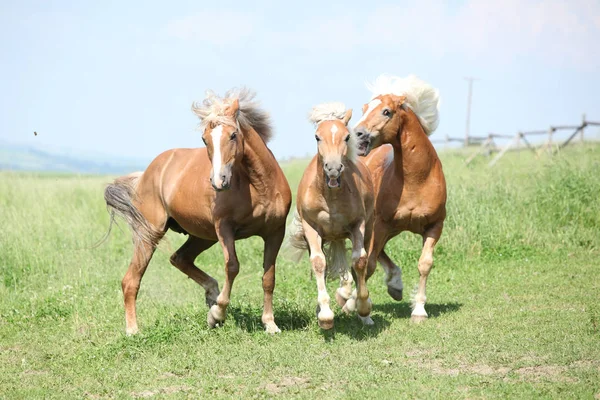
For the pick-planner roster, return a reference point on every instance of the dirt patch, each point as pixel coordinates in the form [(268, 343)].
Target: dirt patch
[(554, 373), (285, 384)]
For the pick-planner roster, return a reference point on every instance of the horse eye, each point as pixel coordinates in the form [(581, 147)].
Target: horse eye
[(204, 140), (386, 112), (347, 138), (318, 138), (233, 136)]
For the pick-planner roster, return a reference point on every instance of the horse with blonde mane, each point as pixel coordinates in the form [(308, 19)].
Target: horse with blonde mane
[(410, 187), (334, 203), (230, 190)]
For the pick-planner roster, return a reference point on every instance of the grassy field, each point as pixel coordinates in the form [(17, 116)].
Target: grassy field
[(514, 301)]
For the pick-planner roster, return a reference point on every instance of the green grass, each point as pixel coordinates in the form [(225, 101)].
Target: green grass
[(513, 300)]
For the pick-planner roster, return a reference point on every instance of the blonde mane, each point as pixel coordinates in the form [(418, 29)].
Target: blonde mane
[(421, 97), (212, 111), (331, 112)]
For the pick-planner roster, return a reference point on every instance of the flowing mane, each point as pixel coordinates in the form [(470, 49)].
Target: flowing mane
[(331, 112), (212, 111), (421, 97)]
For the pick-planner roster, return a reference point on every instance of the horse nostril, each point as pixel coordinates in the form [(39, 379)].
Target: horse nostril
[(340, 167), (326, 165), (359, 133)]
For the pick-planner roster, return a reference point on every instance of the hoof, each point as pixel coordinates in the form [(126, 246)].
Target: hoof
[(325, 321), (350, 306), (326, 324), (211, 320), (366, 320), (394, 293), (417, 319), (340, 299), (131, 331), (271, 328)]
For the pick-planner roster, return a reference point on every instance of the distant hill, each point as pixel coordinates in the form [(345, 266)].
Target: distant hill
[(15, 157)]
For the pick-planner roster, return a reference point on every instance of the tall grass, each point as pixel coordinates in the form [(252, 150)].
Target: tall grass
[(513, 299)]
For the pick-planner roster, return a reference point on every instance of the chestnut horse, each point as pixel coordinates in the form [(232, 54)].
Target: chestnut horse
[(335, 202), (410, 187), (230, 190)]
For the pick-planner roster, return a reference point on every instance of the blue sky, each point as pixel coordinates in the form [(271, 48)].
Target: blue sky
[(118, 78)]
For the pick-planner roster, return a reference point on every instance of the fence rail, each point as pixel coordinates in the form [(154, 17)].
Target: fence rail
[(519, 141)]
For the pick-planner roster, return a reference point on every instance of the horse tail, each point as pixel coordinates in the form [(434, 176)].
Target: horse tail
[(119, 197), (296, 243), (337, 263)]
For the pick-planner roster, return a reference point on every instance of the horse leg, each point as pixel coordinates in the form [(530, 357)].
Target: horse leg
[(142, 254), (359, 264), (317, 260), (272, 246), (393, 276), (218, 312), (430, 238), (344, 292), (377, 243), (183, 260)]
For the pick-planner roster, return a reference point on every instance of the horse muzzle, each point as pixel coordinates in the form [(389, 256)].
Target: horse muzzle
[(221, 181), (363, 140)]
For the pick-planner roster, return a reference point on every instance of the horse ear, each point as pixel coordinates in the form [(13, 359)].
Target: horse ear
[(347, 117), (233, 109), (399, 100)]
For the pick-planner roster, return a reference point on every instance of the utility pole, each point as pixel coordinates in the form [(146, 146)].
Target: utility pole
[(469, 79)]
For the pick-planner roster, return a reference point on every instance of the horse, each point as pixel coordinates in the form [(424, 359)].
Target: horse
[(229, 190), (410, 187), (335, 202)]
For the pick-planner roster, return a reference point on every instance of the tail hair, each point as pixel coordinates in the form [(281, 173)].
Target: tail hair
[(296, 245), (335, 251), (119, 197)]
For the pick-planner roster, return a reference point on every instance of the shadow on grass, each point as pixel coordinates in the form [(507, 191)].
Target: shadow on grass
[(287, 319), (352, 327), (403, 309)]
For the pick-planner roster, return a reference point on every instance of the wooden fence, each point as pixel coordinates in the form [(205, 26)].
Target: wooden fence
[(520, 141)]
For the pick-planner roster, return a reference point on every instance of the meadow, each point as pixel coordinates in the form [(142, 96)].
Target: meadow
[(513, 299)]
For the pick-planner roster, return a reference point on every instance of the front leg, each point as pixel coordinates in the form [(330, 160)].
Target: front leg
[(218, 312), (272, 246), (317, 260), (359, 264)]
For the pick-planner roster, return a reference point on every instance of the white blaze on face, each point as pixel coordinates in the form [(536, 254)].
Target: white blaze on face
[(216, 159), (370, 108), (334, 130)]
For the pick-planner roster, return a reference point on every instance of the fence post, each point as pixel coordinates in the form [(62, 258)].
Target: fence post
[(583, 124)]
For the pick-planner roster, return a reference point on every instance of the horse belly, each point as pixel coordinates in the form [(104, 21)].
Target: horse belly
[(332, 226)]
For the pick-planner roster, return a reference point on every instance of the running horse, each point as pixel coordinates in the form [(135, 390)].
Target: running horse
[(335, 202), (410, 187), (230, 190)]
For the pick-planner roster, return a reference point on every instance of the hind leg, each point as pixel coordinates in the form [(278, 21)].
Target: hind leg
[(393, 276), (430, 239), (344, 292), (183, 260), (142, 254)]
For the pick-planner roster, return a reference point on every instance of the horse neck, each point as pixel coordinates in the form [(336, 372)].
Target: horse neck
[(414, 155), (257, 160)]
